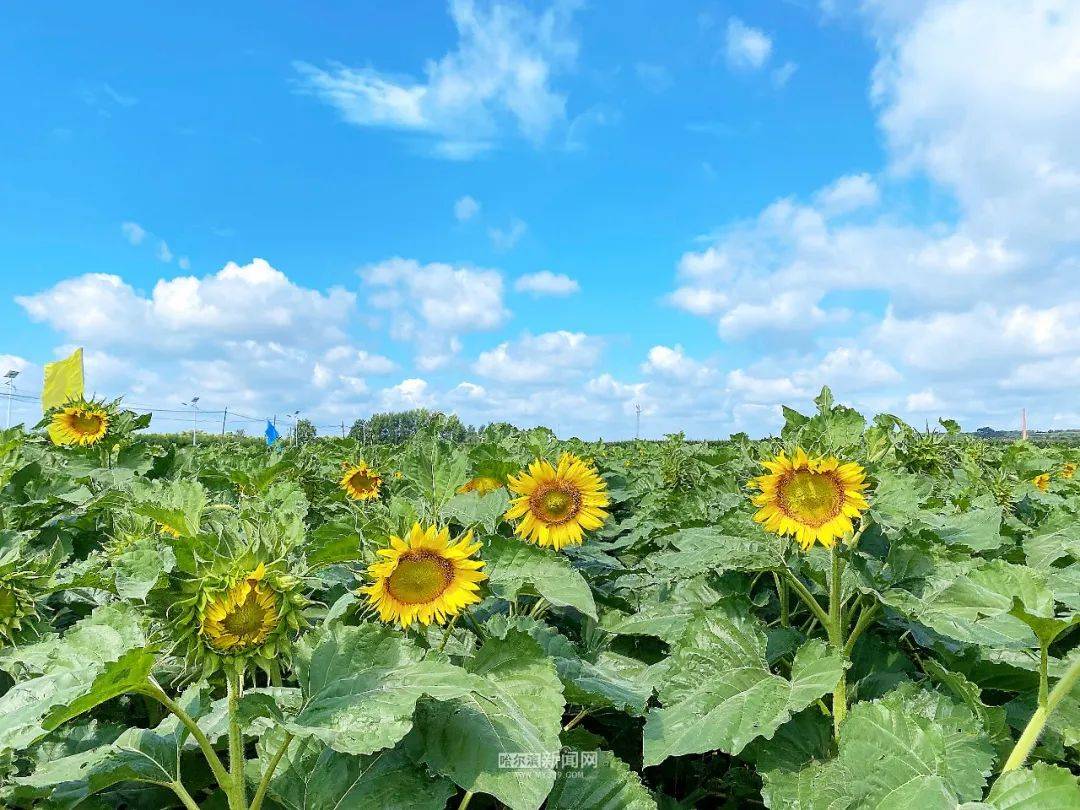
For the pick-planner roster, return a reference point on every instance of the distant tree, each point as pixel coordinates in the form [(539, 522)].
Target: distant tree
[(305, 431), (399, 426)]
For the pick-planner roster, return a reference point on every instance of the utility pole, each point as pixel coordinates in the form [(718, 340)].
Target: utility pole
[(343, 428), (10, 379), (224, 416), (194, 418), (1023, 423), (637, 423), (293, 416)]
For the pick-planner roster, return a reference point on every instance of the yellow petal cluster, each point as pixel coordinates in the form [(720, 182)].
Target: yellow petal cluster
[(557, 505), (814, 499)]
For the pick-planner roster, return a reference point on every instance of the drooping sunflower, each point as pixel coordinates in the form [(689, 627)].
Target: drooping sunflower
[(242, 616), (425, 577), (361, 483), (17, 606), (814, 499), (557, 505), (1068, 469), (481, 484), (1041, 482), (80, 422)]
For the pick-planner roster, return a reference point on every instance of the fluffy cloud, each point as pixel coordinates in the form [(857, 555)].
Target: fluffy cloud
[(546, 283), (746, 48), (466, 208), (406, 395), (133, 232), (499, 76), (508, 237), (541, 358)]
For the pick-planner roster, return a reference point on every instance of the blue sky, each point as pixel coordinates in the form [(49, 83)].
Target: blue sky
[(548, 212)]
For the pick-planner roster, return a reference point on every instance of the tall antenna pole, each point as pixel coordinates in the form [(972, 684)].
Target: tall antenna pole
[(10, 378), (1023, 424), (194, 418), (637, 424)]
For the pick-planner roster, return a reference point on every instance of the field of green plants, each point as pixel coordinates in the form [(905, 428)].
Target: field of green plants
[(517, 621)]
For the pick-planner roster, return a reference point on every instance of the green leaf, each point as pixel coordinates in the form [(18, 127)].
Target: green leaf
[(137, 571), (911, 749), (177, 505), (514, 564), (610, 784), (332, 543), (896, 499), (361, 685), (141, 755), (472, 509), (127, 674), (707, 549), (718, 693), (312, 776), (609, 681), (978, 529), (516, 709), (1045, 628), (1040, 787), (663, 612)]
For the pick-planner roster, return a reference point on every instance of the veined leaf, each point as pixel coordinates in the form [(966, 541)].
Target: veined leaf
[(361, 685), (514, 564), (718, 692), (472, 509), (516, 710), (1040, 787)]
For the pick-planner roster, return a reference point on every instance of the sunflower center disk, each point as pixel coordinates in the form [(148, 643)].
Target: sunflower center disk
[(811, 498), (361, 482), (245, 620), (419, 577), (558, 505), (85, 424)]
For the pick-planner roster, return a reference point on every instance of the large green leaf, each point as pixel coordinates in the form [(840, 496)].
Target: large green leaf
[(100, 658), (718, 692), (176, 505), (312, 776), (911, 749), (140, 755), (138, 570), (516, 710), (361, 685), (471, 509), (978, 529), (706, 549), (1040, 787), (606, 784), (514, 564)]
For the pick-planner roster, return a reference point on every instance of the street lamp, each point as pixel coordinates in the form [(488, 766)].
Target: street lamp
[(10, 380), (293, 416), (194, 417)]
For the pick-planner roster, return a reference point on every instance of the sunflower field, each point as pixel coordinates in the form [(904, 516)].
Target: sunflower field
[(854, 614)]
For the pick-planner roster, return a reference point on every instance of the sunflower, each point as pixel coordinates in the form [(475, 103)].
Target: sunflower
[(814, 499), (361, 483), (481, 485), (242, 616), (425, 577), (558, 505), (81, 422), (17, 606), (1041, 482), (1068, 470)]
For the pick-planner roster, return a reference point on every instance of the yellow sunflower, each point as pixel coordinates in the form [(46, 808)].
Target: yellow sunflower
[(482, 485), (814, 499), (361, 483), (558, 505), (424, 577), (1068, 470), (1041, 482), (242, 616), (81, 423)]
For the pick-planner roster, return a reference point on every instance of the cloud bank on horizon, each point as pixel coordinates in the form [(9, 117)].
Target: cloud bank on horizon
[(942, 281)]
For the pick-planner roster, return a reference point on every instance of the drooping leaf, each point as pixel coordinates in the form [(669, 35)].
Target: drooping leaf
[(471, 509), (719, 694), (514, 564), (361, 685), (1040, 787), (516, 710)]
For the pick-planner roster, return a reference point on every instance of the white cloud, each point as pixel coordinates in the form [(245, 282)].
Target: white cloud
[(506, 238), (848, 193), (407, 394), (163, 252), (654, 78), (499, 76), (746, 48), (466, 208), (782, 75), (184, 263), (133, 232), (541, 358), (923, 401), (671, 362), (546, 283)]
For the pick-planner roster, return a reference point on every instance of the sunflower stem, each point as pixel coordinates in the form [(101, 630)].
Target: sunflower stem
[(238, 795), (183, 795), (782, 595), (1038, 720), (576, 719), (865, 617), (449, 632), (835, 627), (465, 800), (264, 782), (213, 760), (803, 593)]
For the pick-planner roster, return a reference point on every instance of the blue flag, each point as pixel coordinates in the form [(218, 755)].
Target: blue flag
[(271, 432)]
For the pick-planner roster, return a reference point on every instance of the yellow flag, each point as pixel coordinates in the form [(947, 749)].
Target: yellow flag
[(63, 381)]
